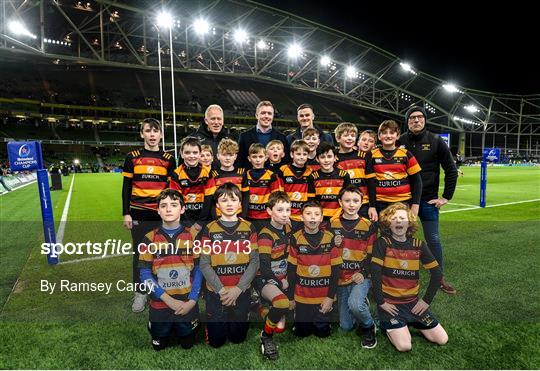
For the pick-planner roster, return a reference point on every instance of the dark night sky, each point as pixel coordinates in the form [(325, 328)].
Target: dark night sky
[(497, 52)]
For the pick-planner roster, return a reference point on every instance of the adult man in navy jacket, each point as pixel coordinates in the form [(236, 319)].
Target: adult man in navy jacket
[(305, 117), (263, 132)]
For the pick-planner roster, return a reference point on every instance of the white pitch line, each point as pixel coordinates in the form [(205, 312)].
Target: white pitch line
[(14, 189), (467, 205), (496, 205), (93, 258), (63, 220)]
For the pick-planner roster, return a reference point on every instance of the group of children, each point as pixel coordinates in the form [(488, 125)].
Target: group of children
[(303, 236)]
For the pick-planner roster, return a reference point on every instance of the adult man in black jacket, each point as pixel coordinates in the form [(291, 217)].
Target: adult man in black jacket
[(432, 153), (212, 132)]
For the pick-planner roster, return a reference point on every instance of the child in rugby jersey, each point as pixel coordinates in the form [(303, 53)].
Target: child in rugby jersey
[(295, 181), (191, 179), (312, 138), (146, 172), (367, 140), (328, 181), (207, 155), (395, 269), (356, 163), (276, 153), (356, 236), (397, 173), (169, 266), (227, 152), (312, 273), (271, 282), (229, 262), (261, 183)]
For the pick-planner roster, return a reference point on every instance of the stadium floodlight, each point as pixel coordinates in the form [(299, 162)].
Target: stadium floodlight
[(325, 60), (240, 36), (471, 108), (76, 161), (164, 19), (201, 26), (294, 51), (350, 72), (262, 45), (451, 88), (407, 68), (19, 29)]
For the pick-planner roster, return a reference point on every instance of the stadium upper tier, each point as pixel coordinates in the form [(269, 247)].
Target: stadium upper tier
[(139, 89)]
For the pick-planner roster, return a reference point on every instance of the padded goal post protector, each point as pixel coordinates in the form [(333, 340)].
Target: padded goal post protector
[(27, 156)]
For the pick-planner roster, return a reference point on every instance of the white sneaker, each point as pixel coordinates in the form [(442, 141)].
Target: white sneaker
[(139, 302)]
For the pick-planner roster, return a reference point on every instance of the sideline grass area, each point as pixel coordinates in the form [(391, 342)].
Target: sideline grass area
[(491, 257)]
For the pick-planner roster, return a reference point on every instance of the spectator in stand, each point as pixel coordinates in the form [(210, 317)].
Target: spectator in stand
[(262, 133), (305, 117)]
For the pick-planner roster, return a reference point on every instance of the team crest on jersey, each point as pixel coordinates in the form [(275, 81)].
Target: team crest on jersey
[(314, 270), (388, 175), (230, 257)]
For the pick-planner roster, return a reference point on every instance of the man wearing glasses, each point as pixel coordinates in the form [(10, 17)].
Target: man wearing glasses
[(432, 153)]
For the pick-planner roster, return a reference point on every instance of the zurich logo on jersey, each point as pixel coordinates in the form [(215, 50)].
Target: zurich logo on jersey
[(173, 274)]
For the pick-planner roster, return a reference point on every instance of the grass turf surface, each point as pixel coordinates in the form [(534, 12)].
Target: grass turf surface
[(491, 257)]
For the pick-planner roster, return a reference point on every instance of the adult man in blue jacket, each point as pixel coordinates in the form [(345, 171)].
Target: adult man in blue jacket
[(262, 132)]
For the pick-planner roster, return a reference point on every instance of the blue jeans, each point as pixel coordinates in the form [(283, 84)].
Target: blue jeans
[(429, 215), (353, 307)]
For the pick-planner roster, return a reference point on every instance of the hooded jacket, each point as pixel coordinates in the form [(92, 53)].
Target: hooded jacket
[(432, 153)]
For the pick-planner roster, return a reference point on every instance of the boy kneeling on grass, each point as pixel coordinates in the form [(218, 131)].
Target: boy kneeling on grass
[(229, 262), (395, 269), (169, 265)]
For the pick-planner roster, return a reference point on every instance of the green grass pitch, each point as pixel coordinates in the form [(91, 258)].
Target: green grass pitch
[(492, 257)]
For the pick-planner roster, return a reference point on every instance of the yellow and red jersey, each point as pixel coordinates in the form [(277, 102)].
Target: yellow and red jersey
[(171, 260), (327, 187), (297, 186), (392, 170), (193, 190), (400, 262), (313, 267), (150, 172), (259, 191), (357, 238), (356, 164)]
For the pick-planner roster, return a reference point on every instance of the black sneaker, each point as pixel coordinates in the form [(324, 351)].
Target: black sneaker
[(369, 337), (268, 347)]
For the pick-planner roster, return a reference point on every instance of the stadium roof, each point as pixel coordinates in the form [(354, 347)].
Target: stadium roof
[(272, 45)]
